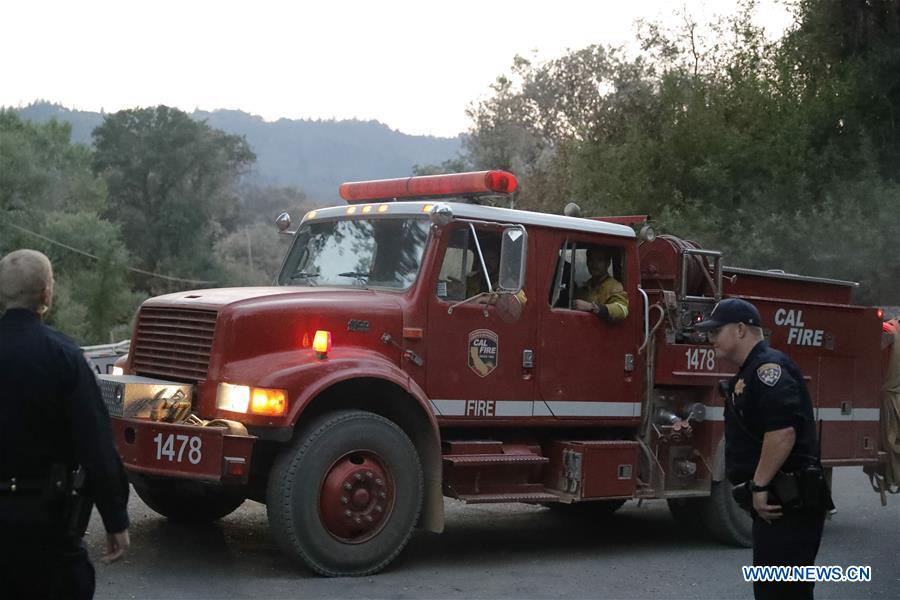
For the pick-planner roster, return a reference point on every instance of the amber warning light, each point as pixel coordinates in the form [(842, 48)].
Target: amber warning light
[(480, 183), (322, 343)]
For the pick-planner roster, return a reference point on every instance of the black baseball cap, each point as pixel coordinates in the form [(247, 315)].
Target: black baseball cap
[(730, 310)]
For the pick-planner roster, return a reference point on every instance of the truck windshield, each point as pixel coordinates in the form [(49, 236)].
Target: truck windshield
[(376, 253)]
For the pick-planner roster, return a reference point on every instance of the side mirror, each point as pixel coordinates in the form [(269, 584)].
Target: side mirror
[(513, 250), (283, 221)]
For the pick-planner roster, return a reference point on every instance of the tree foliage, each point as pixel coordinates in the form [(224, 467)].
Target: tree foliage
[(47, 188), (171, 179), (251, 254), (159, 197), (770, 151)]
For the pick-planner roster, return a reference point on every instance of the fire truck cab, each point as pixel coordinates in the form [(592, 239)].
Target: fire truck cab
[(420, 344)]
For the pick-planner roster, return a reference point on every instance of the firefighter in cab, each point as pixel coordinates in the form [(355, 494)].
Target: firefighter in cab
[(602, 294)]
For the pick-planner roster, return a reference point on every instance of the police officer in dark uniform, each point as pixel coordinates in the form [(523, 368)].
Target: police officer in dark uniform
[(771, 452), (52, 421)]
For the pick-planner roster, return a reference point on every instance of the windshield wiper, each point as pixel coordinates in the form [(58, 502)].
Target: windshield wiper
[(361, 278), (302, 275)]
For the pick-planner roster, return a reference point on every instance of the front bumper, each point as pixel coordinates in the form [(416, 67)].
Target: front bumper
[(184, 451)]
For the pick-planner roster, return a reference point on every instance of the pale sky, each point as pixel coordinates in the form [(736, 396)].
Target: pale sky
[(412, 64)]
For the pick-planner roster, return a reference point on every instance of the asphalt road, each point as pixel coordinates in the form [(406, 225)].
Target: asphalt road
[(497, 551)]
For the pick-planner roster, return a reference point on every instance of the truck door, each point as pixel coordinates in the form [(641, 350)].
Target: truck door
[(588, 367), (475, 366)]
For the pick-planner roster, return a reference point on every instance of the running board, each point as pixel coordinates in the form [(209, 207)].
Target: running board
[(528, 497), (490, 460)]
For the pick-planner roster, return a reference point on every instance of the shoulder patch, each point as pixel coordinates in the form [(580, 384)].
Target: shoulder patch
[(769, 373)]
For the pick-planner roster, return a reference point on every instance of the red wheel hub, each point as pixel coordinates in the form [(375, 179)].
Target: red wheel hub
[(357, 497)]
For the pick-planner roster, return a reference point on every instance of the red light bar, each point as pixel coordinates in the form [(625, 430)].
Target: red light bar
[(431, 186)]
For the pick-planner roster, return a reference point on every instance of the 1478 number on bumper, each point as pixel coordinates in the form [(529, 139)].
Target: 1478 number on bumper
[(172, 447)]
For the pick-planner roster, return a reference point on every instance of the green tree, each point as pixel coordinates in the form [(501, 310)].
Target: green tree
[(451, 165), (101, 285), (252, 252), (172, 181), (40, 170), (51, 201), (263, 204), (768, 151), (252, 255)]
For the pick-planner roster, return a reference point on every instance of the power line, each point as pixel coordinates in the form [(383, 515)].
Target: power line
[(91, 256)]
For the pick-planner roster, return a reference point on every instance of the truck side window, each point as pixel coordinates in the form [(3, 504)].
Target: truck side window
[(573, 275), (457, 259), (461, 275)]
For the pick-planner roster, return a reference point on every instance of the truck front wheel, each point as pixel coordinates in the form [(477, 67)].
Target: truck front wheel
[(186, 501), (345, 496)]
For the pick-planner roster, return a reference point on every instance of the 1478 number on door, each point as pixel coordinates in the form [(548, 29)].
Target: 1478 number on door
[(700, 359)]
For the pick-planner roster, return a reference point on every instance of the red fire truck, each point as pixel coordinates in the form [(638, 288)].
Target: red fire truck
[(420, 343)]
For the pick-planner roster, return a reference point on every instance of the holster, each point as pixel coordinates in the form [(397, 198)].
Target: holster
[(804, 488), (743, 496), (814, 489), (77, 506), (65, 493), (786, 491)]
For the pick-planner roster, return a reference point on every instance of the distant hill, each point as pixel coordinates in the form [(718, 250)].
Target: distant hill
[(315, 156)]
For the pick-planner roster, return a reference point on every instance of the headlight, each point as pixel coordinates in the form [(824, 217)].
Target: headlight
[(253, 400)]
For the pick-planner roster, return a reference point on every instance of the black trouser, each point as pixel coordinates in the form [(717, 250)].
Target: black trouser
[(792, 540), (63, 571), (37, 559)]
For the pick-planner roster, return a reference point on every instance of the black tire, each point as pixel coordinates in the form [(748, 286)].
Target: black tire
[(688, 513), (724, 519), (187, 501), (301, 495), (593, 508)]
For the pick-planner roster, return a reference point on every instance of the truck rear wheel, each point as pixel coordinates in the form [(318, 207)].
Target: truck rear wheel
[(688, 512), (186, 501), (345, 496), (724, 519)]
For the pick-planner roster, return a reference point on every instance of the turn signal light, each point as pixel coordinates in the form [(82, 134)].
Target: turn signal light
[(322, 343), (269, 402), (246, 399)]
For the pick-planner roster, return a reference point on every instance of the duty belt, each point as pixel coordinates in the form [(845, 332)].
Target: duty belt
[(15, 485)]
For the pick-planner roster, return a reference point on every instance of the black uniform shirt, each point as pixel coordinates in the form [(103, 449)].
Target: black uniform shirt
[(767, 394), (51, 411)]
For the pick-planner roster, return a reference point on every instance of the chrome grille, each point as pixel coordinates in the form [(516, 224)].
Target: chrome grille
[(173, 342)]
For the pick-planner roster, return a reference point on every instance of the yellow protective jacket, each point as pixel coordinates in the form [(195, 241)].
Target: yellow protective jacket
[(608, 291)]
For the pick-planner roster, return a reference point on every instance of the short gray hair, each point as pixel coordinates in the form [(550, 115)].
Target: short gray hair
[(24, 275), (757, 331)]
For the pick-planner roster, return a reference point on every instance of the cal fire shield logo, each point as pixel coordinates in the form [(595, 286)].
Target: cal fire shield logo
[(769, 373), (483, 351)]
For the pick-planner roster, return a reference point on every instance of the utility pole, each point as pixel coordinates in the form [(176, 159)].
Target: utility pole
[(249, 249)]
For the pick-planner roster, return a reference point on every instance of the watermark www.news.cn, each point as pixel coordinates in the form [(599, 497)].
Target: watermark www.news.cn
[(826, 573)]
